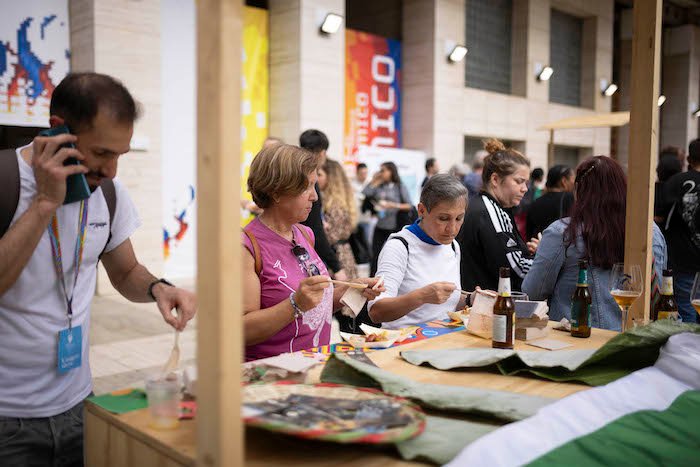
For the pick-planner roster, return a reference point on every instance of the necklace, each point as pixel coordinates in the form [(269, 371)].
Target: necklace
[(285, 235)]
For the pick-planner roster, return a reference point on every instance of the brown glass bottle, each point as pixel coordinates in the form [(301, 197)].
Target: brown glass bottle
[(503, 314), (581, 304), (666, 307)]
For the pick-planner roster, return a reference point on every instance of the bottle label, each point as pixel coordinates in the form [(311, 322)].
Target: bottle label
[(667, 286), (672, 315), (499, 328), (582, 278), (504, 286), (580, 315)]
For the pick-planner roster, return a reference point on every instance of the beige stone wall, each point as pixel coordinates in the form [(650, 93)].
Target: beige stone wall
[(418, 90), (122, 38), (307, 71), (460, 111), (680, 85)]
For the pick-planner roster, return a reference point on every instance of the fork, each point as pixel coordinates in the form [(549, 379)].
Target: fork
[(174, 359)]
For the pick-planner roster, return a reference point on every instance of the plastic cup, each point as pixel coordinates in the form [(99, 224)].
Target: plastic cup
[(163, 395)]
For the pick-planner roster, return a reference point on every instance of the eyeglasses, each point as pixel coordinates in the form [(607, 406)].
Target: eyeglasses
[(304, 259)]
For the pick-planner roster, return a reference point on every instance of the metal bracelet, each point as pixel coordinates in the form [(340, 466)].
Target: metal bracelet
[(297, 311)]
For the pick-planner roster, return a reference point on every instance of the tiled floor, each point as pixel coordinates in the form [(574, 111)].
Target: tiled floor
[(129, 341)]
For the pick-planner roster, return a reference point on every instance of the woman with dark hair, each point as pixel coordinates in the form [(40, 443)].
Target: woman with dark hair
[(489, 238), (390, 199), (594, 232), (555, 203)]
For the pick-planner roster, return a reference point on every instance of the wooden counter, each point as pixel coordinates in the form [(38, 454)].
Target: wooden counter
[(127, 440)]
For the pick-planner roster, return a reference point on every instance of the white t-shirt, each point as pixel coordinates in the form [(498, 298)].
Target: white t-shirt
[(33, 310), (403, 274)]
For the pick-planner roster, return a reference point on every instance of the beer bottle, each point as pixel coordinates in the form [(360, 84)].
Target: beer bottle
[(503, 314), (666, 307), (581, 304)]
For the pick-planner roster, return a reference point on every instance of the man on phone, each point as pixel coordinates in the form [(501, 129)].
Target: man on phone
[(48, 268)]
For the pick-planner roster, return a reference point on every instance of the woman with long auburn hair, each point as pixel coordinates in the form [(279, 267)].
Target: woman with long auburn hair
[(594, 232)]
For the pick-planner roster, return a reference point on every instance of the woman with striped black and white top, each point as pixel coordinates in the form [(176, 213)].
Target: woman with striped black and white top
[(489, 238)]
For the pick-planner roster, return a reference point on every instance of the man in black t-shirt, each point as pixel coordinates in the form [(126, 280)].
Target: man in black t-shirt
[(317, 142), (682, 198), (554, 204)]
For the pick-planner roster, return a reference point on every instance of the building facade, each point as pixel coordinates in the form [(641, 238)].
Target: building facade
[(447, 107)]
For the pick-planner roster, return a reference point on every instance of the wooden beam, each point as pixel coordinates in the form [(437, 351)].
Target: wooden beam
[(219, 324), (550, 149), (643, 147)]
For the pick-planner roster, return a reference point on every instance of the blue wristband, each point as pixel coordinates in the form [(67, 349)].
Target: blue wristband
[(297, 311)]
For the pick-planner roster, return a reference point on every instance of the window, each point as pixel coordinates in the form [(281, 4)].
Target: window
[(489, 43), (474, 144), (567, 155), (565, 57)]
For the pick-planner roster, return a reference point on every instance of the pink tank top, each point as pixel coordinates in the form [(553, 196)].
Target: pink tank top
[(280, 275)]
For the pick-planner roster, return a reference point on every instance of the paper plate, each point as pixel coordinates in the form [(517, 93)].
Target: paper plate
[(359, 341), (331, 412)]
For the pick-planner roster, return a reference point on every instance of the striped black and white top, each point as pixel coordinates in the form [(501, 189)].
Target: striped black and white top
[(489, 241)]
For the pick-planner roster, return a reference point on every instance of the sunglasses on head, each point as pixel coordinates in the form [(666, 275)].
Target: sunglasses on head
[(303, 257)]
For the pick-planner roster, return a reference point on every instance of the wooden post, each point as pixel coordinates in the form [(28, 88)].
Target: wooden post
[(643, 147), (550, 150), (219, 324)]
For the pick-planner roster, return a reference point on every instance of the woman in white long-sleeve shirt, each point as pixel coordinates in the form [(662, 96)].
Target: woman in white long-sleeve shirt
[(421, 263)]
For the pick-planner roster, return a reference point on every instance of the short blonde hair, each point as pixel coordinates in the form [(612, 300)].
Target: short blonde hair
[(280, 170)]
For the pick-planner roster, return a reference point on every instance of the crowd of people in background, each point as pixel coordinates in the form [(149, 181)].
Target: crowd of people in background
[(467, 224)]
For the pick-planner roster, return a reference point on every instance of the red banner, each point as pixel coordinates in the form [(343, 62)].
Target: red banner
[(372, 92)]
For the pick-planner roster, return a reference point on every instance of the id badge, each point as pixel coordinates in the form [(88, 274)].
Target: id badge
[(70, 348)]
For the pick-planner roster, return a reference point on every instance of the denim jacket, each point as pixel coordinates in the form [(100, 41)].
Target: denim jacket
[(554, 273)]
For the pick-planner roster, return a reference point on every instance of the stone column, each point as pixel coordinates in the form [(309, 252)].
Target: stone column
[(307, 71), (433, 87), (680, 78), (108, 37), (621, 135)]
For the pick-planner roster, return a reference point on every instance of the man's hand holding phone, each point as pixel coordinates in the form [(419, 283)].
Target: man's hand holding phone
[(48, 158)]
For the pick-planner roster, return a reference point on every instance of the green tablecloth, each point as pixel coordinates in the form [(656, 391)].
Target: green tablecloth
[(620, 356)]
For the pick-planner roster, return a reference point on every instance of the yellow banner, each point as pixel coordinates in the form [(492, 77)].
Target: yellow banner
[(255, 91)]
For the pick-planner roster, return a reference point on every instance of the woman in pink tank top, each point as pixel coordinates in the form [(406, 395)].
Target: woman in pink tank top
[(288, 297)]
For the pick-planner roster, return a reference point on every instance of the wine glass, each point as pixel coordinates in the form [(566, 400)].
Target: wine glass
[(626, 285), (695, 293)]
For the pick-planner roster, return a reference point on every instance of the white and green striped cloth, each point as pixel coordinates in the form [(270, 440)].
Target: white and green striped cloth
[(650, 417)]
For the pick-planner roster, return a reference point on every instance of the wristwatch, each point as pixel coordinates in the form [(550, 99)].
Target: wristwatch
[(153, 284)]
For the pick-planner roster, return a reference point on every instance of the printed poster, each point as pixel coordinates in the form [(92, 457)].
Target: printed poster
[(255, 93), (179, 144), (372, 92), (179, 137), (34, 58)]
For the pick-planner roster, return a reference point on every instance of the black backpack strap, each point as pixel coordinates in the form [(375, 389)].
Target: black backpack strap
[(110, 194), (9, 181), (402, 240)]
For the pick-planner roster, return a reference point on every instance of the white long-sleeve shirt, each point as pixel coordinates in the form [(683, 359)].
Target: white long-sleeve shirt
[(404, 272)]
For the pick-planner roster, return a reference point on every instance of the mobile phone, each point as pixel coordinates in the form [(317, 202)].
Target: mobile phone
[(76, 185)]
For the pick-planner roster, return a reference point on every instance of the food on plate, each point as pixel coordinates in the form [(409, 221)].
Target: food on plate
[(377, 337)]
